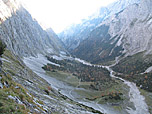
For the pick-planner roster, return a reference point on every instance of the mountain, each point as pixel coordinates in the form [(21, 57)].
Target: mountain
[(125, 39), (21, 33), (38, 76), (23, 91), (20, 88), (121, 38), (74, 34), (125, 33), (55, 39), (24, 86)]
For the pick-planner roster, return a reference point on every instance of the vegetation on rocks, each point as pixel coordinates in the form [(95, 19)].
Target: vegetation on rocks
[(2, 47), (14, 97)]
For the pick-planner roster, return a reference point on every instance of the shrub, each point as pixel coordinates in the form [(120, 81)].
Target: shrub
[(2, 47)]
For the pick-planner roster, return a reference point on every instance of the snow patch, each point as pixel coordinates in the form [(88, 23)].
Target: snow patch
[(148, 70)]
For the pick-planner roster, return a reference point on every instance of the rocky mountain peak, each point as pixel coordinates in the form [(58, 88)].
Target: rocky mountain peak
[(22, 34), (126, 32), (73, 35)]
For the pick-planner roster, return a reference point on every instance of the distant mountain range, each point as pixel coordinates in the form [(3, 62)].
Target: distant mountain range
[(120, 29), (74, 34)]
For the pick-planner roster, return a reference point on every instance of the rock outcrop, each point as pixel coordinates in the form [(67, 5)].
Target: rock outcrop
[(21, 33)]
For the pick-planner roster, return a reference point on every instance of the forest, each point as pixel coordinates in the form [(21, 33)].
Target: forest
[(133, 69), (98, 75)]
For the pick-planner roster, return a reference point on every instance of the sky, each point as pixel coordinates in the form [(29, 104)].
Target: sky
[(58, 14)]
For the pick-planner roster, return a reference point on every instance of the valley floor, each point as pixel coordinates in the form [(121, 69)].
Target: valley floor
[(71, 86)]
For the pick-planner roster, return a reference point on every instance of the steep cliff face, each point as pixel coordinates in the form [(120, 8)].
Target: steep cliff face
[(22, 34), (128, 32), (134, 26), (21, 90), (75, 34), (56, 41)]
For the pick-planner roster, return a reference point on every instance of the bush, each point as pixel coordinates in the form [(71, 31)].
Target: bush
[(2, 47)]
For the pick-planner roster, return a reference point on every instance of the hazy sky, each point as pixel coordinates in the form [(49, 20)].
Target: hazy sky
[(58, 14)]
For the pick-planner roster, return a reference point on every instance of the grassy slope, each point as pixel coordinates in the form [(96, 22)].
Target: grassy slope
[(10, 68), (7, 105)]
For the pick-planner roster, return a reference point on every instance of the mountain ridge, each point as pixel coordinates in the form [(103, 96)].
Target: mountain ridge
[(55, 82), (18, 23), (73, 35), (128, 33)]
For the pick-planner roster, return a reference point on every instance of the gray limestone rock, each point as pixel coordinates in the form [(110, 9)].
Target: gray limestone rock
[(21, 33)]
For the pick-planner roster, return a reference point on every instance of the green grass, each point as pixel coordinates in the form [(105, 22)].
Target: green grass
[(65, 77), (85, 85), (8, 106), (69, 79), (96, 96), (89, 93), (12, 69)]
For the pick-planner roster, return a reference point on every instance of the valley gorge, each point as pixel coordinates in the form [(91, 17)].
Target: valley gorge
[(102, 65)]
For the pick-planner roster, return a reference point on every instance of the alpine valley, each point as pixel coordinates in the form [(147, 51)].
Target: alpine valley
[(102, 65)]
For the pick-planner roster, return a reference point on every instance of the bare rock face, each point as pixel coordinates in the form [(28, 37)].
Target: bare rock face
[(127, 33), (133, 25), (75, 34), (56, 41), (22, 34)]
